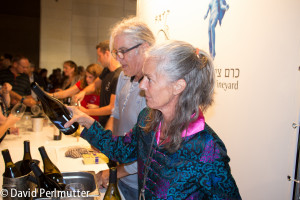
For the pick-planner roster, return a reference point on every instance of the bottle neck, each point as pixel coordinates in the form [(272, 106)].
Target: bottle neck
[(113, 175), (6, 156), (27, 155), (36, 170), (44, 154), (26, 147), (39, 92)]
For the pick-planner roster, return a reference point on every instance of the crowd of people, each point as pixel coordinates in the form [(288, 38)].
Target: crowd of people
[(143, 107)]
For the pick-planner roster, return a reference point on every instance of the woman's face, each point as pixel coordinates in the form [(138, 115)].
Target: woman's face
[(68, 70), (158, 88), (89, 78), (133, 60)]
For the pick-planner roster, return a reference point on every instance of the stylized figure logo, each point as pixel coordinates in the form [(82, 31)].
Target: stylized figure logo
[(161, 20), (217, 10)]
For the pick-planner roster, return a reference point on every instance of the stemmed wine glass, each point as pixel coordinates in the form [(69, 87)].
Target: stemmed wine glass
[(18, 110)]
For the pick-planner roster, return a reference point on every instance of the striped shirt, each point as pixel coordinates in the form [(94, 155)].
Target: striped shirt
[(20, 83)]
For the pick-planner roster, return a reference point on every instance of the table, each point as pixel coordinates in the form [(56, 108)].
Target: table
[(55, 149)]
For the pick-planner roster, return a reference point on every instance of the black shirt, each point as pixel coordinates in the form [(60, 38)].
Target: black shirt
[(108, 87)]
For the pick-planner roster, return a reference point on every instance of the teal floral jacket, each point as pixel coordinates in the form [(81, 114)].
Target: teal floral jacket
[(198, 170)]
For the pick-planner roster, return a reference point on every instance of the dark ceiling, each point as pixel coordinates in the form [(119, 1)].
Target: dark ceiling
[(28, 8)]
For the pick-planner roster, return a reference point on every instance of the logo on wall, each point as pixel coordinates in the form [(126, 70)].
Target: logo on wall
[(161, 20), (217, 9)]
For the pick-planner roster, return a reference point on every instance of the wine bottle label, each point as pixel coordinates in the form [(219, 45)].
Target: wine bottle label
[(68, 120), (60, 124)]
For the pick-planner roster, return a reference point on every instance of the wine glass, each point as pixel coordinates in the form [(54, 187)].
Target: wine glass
[(18, 110), (36, 110)]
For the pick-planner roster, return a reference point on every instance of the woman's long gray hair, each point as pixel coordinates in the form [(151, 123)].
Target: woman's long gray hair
[(180, 60)]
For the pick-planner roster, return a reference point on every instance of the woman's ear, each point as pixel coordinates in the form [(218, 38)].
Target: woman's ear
[(179, 86)]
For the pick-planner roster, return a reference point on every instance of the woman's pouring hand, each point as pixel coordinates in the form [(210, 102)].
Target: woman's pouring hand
[(80, 117)]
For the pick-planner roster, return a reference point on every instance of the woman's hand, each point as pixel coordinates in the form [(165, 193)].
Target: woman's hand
[(79, 96), (80, 117), (12, 119), (10, 123), (90, 105)]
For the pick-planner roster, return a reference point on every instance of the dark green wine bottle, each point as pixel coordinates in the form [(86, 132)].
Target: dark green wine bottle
[(25, 168), (44, 182), (112, 192), (11, 170), (56, 111), (50, 169)]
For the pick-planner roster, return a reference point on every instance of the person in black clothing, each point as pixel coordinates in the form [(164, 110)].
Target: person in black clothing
[(107, 83), (34, 77), (15, 76), (56, 80), (43, 75)]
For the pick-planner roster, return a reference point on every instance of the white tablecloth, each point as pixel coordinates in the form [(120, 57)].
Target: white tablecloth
[(55, 150)]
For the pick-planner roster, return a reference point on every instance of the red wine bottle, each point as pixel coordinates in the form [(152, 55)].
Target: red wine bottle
[(55, 110), (25, 168), (11, 171)]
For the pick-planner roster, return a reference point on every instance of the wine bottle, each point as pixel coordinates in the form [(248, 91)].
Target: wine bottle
[(50, 169), (11, 170), (55, 110), (25, 168), (112, 192), (44, 182), (57, 135)]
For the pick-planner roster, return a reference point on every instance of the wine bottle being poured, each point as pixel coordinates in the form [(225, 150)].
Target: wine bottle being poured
[(55, 110)]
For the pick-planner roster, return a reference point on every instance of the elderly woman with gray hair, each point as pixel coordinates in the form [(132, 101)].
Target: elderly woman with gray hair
[(179, 156)]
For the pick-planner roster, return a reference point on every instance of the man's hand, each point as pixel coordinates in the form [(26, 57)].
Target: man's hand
[(6, 88), (29, 101), (102, 178)]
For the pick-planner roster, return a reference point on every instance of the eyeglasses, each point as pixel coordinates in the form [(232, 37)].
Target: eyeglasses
[(120, 53)]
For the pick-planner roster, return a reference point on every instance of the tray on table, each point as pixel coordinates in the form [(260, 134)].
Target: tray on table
[(87, 179)]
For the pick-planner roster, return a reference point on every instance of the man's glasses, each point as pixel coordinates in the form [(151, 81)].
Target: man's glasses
[(120, 53)]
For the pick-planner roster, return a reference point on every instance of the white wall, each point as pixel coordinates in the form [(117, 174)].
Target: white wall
[(258, 49), (71, 29)]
